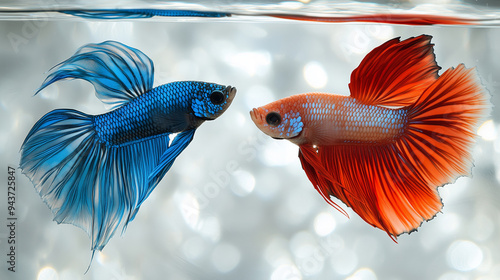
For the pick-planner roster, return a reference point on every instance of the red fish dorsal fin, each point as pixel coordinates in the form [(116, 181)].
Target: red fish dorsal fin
[(395, 73)]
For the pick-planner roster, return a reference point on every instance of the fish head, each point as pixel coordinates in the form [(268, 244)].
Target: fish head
[(211, 100), (280, 119)]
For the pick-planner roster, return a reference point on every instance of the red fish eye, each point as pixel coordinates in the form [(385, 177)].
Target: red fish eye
[(217, 97), (273, 119)]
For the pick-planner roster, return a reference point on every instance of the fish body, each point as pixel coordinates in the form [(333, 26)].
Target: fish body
[(335, 119), (384, 150), (95, 171), (164, 109)]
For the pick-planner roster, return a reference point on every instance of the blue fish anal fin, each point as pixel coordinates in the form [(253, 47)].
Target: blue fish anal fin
[(180, 142), (118, 72), (87, 183), (142, 13)]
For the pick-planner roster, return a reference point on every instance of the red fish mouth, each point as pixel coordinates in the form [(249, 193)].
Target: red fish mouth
[(256, 115)]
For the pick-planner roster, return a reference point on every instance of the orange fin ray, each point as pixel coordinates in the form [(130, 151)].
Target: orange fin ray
[(395, 73)]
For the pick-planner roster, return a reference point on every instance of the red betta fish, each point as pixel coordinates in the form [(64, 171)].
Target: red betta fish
[(385, 149)]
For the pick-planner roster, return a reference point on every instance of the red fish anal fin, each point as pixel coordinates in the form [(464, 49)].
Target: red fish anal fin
[(395, 73), (372, 182), (318, 181)]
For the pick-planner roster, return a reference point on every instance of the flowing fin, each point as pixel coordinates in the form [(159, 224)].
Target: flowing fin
[(395, 73), (442, 125), (319, 182), (85, 182), (141, 13), (394, 186), (118, 72)]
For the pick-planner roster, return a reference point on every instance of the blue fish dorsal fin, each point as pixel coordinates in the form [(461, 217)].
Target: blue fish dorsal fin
[(118, 72)]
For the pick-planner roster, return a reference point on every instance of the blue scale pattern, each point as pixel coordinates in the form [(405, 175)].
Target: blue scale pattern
[(291, 125), (164, 109)]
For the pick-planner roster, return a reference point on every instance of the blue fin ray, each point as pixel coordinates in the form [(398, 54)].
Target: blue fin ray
[(89, 184), (118, 72)]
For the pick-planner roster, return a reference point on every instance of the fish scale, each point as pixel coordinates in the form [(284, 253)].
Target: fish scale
[(139, 118), (353, 121)]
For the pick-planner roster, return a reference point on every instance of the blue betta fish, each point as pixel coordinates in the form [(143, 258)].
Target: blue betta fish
[(142, 13), (95, 171)]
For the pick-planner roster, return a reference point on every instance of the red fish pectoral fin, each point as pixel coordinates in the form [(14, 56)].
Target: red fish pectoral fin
[(395, 73), (372, 180)]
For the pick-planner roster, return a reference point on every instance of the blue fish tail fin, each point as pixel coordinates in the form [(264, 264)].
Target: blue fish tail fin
[(87, 183), (61, 145), (118, 72)]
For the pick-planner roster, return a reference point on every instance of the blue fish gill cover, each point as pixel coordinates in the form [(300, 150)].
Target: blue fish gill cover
[(95, 171)]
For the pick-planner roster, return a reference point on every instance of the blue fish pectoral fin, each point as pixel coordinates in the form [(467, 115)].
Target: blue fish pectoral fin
[(85, 182), (118, 72), (172, 122), (180, 142)]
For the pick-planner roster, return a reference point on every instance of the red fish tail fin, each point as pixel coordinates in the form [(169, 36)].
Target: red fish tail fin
[(442, 124), (393, 186)]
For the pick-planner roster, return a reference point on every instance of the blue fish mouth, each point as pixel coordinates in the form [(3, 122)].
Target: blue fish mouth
[(231, 90)]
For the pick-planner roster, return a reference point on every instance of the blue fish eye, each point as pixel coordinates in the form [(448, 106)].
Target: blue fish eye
[(273, 119), (217, 97)]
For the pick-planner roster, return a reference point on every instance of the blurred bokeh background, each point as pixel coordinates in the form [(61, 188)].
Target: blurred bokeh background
[(236, 204)]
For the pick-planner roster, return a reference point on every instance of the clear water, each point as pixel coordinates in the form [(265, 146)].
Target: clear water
[(264, 220)]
